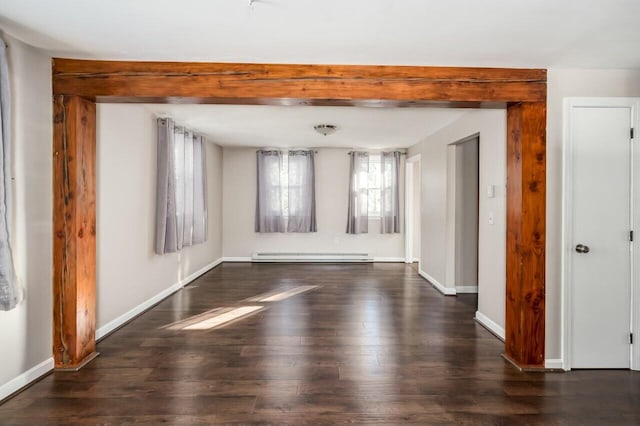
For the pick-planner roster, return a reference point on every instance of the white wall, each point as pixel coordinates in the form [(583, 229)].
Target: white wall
[(491, 124), (126, 189), (25, 332), (563, 83), (332, 182)]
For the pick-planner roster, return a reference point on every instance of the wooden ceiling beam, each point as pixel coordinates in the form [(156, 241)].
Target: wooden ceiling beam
[(203, 82)]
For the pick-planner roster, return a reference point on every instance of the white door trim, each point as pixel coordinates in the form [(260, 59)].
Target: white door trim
[(408, 207), (567, 214)]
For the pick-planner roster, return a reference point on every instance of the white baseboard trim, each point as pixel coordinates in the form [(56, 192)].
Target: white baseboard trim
[(129, 315), (466, 289), (442, 289), (389, 259), (44, 367), (24, 379), (554, 364), (237, 259), (490, 325), (250, 259), (416, 259)]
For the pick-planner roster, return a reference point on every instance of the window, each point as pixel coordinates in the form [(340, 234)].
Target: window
[(189, 186), (287, 185), (375, 185), (284, 184), (181, 210), (286, 191), (373, 191)]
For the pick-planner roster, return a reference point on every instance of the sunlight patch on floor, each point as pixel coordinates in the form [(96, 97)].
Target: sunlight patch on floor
[(214, 318), (281, 295), (223, 318), (219, 317)]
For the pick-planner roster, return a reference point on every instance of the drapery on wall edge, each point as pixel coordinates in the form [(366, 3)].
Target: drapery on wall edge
[(181, 197), (10, 293)]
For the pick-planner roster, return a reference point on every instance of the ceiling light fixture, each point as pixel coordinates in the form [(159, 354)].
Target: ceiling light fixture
[(325, 129)]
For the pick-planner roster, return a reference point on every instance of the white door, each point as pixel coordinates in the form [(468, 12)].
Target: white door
[(600, 257)]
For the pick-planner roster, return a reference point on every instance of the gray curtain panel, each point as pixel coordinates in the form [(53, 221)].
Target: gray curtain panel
[(302, 192), (181, 199), (180, 182), (189, 186), (166, 216), (358, 207), (390, 194), (8, 282), (269, 195)]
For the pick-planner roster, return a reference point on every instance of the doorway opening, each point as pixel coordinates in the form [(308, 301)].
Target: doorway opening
[(413, 209), (462, 217)]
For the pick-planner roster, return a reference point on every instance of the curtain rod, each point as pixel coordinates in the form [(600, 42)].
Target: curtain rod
[(180, 128), (401, 153), (287, 149)]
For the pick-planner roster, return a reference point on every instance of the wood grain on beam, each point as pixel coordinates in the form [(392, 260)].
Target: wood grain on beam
[(74, 224), (172, 81), (526, 195)]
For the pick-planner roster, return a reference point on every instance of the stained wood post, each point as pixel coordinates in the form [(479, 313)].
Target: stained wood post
[(74, 225), (526, 199)]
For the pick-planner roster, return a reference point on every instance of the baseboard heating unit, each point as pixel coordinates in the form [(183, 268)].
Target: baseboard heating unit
[(312, 257)]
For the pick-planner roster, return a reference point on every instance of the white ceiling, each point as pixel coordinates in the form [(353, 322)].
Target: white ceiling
[(292, 126), (534, 33)]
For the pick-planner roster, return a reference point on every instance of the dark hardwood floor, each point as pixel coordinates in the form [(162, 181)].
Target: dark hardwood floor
[(373, 344)]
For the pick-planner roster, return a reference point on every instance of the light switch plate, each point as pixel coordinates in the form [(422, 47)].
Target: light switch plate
[(491, 191)]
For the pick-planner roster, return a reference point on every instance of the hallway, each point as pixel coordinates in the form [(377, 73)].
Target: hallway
[(371, 343)]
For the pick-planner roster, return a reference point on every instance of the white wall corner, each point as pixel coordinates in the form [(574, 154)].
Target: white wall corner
[(131, 314), (493, 327), (200, 271), (237, 259), (466, 289), (149, 303), (442, 289), (26, 378)]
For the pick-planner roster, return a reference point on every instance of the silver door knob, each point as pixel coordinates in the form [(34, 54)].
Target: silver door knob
[(581, 248)]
